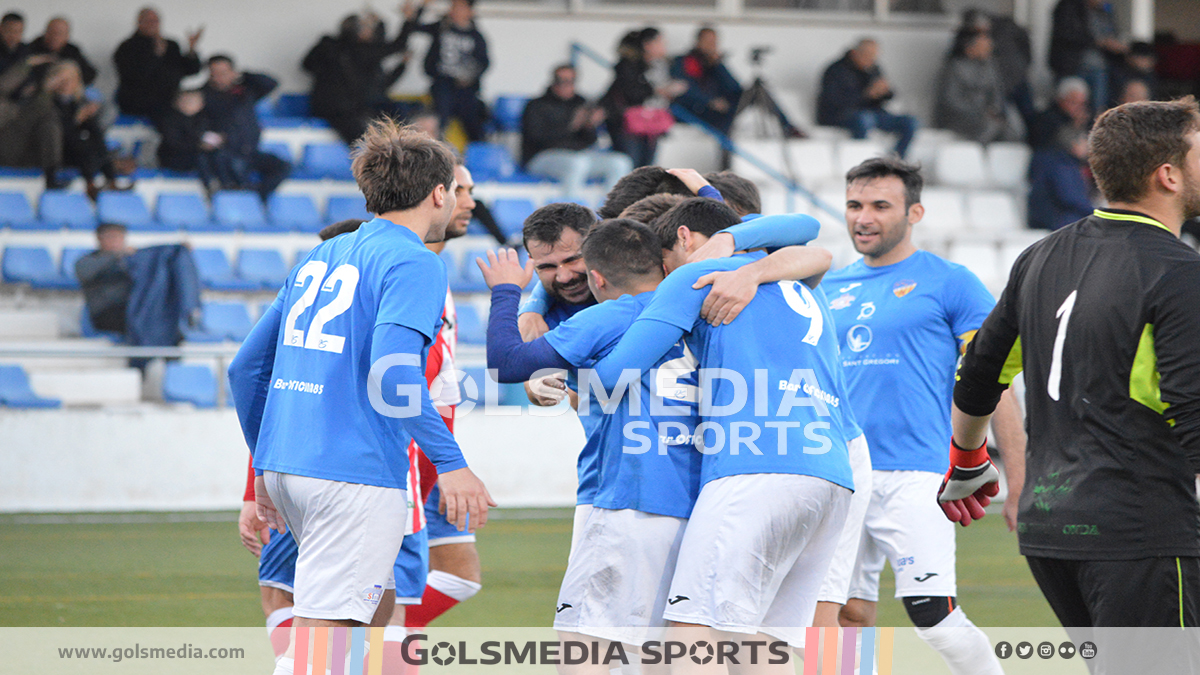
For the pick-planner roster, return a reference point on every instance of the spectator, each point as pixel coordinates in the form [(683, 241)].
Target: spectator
[(853, 92), (56, 42), (83, 145), (229, 98), (30, 133), (349, 85), (1084, 43), (1059, 193), (1068, 110), (188, 143), (457, 58), (1012, 53), (150, 67), (1134, 91), (971, 99), (13, 49), (558, 135), (642, 84), (712, 93), (1138, 66), (104, 276)]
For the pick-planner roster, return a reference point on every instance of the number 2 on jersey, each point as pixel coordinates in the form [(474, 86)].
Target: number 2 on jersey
[(313, 273), (1064, 317), (804, 303)]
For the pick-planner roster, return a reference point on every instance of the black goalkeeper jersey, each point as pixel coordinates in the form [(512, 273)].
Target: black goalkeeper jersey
[(1104, 317)]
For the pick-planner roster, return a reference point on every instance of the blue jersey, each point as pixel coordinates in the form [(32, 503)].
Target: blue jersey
[(586, 467), (901, 328), (645, 454), (318, 420), (769, 380)]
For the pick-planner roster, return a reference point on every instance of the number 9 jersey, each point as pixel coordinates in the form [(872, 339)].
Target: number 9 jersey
[(319, 420)]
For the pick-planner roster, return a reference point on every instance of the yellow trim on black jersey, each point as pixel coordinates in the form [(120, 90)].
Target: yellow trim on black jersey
[(1013, 364), (1144, 376), (1146, 220)]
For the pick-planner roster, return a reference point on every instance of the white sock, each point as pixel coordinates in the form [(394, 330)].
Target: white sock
[(455, 587), (277, 617), (285, 666), (965, 648)]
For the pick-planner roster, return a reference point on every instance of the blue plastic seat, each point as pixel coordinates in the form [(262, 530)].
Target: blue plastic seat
[(345, 207), (471, 277), (58, 208), (184, 210), (190, 383), (15, 391), (471, 329), (228, 320), (215, 273), (291, 105), (294, 212), (70, 256), (278, 148), (510, 214), (507, 111), (15, 212), (451, 264), (32, 265), (240, 209), (492, 162), (125, 208), (325, 160), (262, 265)]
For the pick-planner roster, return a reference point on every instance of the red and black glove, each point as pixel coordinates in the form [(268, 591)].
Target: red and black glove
[(969, 485)]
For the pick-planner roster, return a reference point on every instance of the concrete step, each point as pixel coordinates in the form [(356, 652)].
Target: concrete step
[(27, 324), (106, 386)]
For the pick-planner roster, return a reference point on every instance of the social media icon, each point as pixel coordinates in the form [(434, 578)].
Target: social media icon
[(1087, 650), (1024, 650), (1046, 650), (1003, 650), (1066, 650)]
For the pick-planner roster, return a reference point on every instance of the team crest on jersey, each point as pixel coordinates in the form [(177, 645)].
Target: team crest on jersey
[(373, 594), (842, 302), (903, 288)]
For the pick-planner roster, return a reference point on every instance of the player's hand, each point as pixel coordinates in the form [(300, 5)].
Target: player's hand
[(532, 326), (969, 485), (546, 391), (720, 245), (1011, 502), (731, 292), (691, 179), (251, 529), (464, 494), (266, 508), (504, 267), (194, 38)]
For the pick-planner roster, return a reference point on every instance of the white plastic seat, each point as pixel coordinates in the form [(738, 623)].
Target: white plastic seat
[(982, 258), (944, 212), (1008, 164), (851, 153), (813, 159), (961, 164), (993, 211)]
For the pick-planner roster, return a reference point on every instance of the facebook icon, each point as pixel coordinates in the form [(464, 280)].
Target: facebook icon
[(1003, 650)]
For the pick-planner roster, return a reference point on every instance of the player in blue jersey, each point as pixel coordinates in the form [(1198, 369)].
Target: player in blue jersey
[(775, 476), (330, 387), (902, 318)]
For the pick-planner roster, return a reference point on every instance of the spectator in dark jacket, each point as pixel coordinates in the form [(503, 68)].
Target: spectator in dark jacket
[(853, 93), (30, 133), (1084, 43), (712, 93), (1069, 110), (641, 78), (104, 276), (56, 42), (229, 98), (558, 132), (971, 99), (349, 85), (1138, 67), (83, 145), (1059, 193), (189, 144), (457, 58), (13, 49), (150, 67)]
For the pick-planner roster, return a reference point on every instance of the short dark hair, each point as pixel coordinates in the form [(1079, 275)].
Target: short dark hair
[(705, 28), (397, 167), (739, 193), (547, 223), (220, 57), (12, 16), (883, 167), (622, 249), (1128, 144), (699, 214), (340, 227), (641, 182), (105, 228), (648, 209)]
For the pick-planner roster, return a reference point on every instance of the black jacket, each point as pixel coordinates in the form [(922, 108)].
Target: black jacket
[(348, 75), (11, 57), (148, 82), (546, 125), (629, 88), (843, 91), (179, 149), (1070, 36), (231, 112), (106, 284), (471, 52), (69, 52)]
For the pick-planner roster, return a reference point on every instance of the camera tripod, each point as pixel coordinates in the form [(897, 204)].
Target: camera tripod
[(770, 121)]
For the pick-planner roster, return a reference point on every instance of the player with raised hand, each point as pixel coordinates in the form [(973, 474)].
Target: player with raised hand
[(330, 387)]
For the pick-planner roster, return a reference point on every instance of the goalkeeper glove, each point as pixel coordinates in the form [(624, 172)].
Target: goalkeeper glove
[(969, 485)]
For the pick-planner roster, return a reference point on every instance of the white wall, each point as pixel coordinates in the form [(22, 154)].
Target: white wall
[(274, 35)]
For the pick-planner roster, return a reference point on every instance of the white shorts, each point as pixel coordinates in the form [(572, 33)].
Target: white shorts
[(836, 586), (348, 537), (755, 553), (905, 525), (616, 584), (582, 511)]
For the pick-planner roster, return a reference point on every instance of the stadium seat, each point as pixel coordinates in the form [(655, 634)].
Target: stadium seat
[(492, 162), (87, 330), (215, 273), (278, 148), (184, 210), (291, 105), (345, 207), (58, 208), (943, 212), (228, 320), (507, 112), (15, 212), (993, 211), (961, 164), (851, 153), (294, 212), (982, 258), (70, 256), (32, 265), (510, 214), (471, 328), (125, 208), (769, 152), (264, 266), (190, 383), (15, 391), (1008, 164), (242, 210), (325, 160), (471, 279), (813, 159)]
